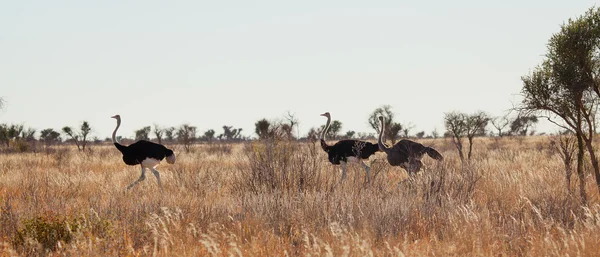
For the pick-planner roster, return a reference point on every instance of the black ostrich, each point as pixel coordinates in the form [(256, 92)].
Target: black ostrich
[(145, 153), (406, 153), (347, 150)]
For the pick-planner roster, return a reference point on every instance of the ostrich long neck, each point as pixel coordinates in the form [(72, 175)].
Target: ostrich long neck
[(114, 135), (325, 129), (382, 146)]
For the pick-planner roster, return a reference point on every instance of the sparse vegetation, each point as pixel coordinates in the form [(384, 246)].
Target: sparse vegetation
[(277, 197)]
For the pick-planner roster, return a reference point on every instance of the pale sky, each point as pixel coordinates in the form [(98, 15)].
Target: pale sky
[(215, 63)]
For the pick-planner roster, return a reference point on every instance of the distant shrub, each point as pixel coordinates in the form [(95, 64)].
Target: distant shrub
[(219, 149)]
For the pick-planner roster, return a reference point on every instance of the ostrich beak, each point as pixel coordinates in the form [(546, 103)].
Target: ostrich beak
[(114, 117), (323, 114)]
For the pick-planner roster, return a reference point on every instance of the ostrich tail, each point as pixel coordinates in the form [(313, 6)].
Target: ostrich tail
[(434, 154)]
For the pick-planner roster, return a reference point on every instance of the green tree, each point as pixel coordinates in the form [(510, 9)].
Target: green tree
[(49, 137), (229, 133), (209, 135), (334, 129), (392, 128), (460, 125), (262, 128), (565, 87), (79, 138), (522, 124), (143, 133), (350, 134), (158, 133)]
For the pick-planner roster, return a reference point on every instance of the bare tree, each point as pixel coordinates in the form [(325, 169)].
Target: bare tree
[(313, 134), (457, 129), (170, 133), (565, 143), (293, 122), (500, 123), (158, 133), (406, 129)]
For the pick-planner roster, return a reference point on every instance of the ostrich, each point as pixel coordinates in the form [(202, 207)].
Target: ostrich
[(145, 153), (406, 153), (347, 150)]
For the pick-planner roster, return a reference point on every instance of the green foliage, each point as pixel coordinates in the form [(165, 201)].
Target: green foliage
[(392, 128), (79, 138), (49, 136), (334, 129), (460, 125), (262, 129), (209, 135), (522, 124), (47, 231), (229, 133), (567, 85), (143, 133), (350, 134)]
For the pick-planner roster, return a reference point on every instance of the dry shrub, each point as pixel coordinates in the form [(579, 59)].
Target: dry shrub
[(278, 198), (279, 165), (44, 233)]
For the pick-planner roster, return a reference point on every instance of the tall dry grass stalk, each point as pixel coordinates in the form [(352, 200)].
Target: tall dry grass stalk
[(279, 198)]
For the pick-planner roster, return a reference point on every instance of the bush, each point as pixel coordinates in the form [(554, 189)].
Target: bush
[(47, 231), (279, 165)]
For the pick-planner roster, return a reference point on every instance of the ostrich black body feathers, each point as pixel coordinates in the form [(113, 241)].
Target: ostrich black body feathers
[(141, 150), (344, 149)]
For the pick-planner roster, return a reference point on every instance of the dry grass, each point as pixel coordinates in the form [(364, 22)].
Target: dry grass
[(284, 199)]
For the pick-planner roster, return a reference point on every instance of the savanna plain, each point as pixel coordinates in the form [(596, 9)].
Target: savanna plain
[(283, 198)]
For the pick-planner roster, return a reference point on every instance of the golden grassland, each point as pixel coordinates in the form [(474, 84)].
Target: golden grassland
[(284, 199)]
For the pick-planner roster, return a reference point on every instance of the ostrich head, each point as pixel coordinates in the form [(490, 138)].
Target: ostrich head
[(170, 156), (326, 115), (380, 118), (118, 117)]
